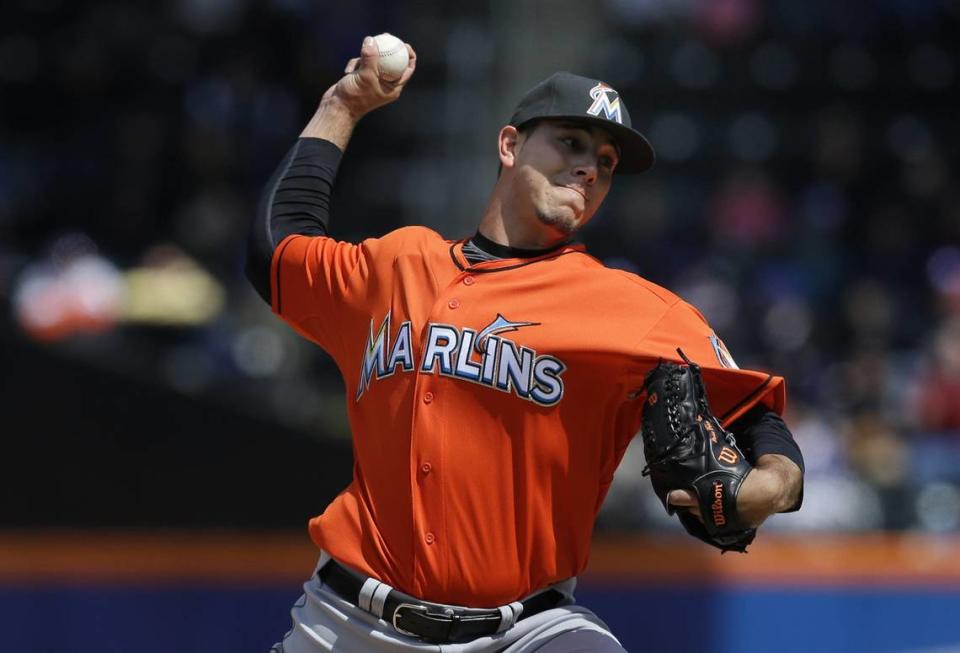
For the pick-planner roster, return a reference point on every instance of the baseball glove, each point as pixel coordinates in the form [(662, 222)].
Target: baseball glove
[(686, 448)]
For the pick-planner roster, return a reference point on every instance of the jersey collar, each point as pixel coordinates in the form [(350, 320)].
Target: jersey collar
[(500, 265), (505, 251)]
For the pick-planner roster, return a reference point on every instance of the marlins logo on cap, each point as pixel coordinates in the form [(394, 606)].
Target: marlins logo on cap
[(607, 100)]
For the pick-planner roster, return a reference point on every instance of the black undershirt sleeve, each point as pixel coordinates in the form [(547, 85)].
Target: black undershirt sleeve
[(761, 431), (296, 200)]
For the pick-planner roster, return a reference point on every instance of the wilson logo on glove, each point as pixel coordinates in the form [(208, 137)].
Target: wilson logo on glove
[(728, 456), (717, 505)]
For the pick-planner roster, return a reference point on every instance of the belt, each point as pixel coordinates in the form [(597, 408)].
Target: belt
[(431, 622)]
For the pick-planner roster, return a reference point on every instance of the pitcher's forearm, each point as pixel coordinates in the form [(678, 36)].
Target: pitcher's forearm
[(773, 486), (333, 121), (787, 476)]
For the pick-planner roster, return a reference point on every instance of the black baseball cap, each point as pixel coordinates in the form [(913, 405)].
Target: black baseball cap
[(566, 96)]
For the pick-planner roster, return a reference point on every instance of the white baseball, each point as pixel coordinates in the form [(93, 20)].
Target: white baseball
[(393, 56)]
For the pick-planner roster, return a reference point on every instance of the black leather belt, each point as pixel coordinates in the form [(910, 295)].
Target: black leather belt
[(431, 622)]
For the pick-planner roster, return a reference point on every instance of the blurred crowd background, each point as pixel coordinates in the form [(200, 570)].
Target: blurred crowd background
[(805, 199)]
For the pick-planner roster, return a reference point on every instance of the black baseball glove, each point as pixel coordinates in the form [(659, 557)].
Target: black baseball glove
[(686, 448)]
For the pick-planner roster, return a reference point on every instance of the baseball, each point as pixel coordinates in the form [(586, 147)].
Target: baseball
[(393, 56)]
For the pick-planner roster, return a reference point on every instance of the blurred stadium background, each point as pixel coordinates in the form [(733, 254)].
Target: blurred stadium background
[(165, 439)]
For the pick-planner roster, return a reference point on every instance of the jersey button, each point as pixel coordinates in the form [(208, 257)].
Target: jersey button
[(426, 467), (430, 539), (454, 303), (468, 281), (427, 397)]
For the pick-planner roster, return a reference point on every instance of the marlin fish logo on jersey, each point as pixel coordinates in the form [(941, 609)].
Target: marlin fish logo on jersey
[(499, 325), (607, 101), (484, 357)]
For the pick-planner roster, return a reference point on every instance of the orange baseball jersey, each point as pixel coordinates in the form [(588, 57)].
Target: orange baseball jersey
[(490, 404)]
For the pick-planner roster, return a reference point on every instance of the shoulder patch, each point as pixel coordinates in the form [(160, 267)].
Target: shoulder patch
[(723, 354)]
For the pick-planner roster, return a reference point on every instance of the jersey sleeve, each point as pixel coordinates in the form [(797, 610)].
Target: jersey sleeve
[(730, 390), (296, 200), (317, 284)]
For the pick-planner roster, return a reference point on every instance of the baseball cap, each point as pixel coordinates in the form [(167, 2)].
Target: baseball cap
[(567, 96)]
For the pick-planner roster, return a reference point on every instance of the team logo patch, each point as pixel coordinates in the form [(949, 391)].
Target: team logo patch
[(605, 101), (723, 354)]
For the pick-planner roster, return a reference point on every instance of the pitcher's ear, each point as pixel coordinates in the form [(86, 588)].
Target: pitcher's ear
[(507, 142)]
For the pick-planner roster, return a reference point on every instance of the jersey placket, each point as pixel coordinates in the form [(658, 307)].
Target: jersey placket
[(427, 443)]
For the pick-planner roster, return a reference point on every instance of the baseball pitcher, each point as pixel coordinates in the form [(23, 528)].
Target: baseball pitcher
[(493, 384)]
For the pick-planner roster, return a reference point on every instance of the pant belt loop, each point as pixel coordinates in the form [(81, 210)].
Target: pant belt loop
[(366, 594), (509, 615), (379, 600)]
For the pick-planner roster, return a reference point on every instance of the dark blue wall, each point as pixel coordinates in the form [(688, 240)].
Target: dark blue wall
[(741, 620)]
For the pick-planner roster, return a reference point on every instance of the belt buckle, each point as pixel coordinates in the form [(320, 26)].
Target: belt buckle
[(412, 606), (449, 619)]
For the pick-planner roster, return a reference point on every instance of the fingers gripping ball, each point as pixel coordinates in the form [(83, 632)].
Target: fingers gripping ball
[(686, 448), (393, 57)]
